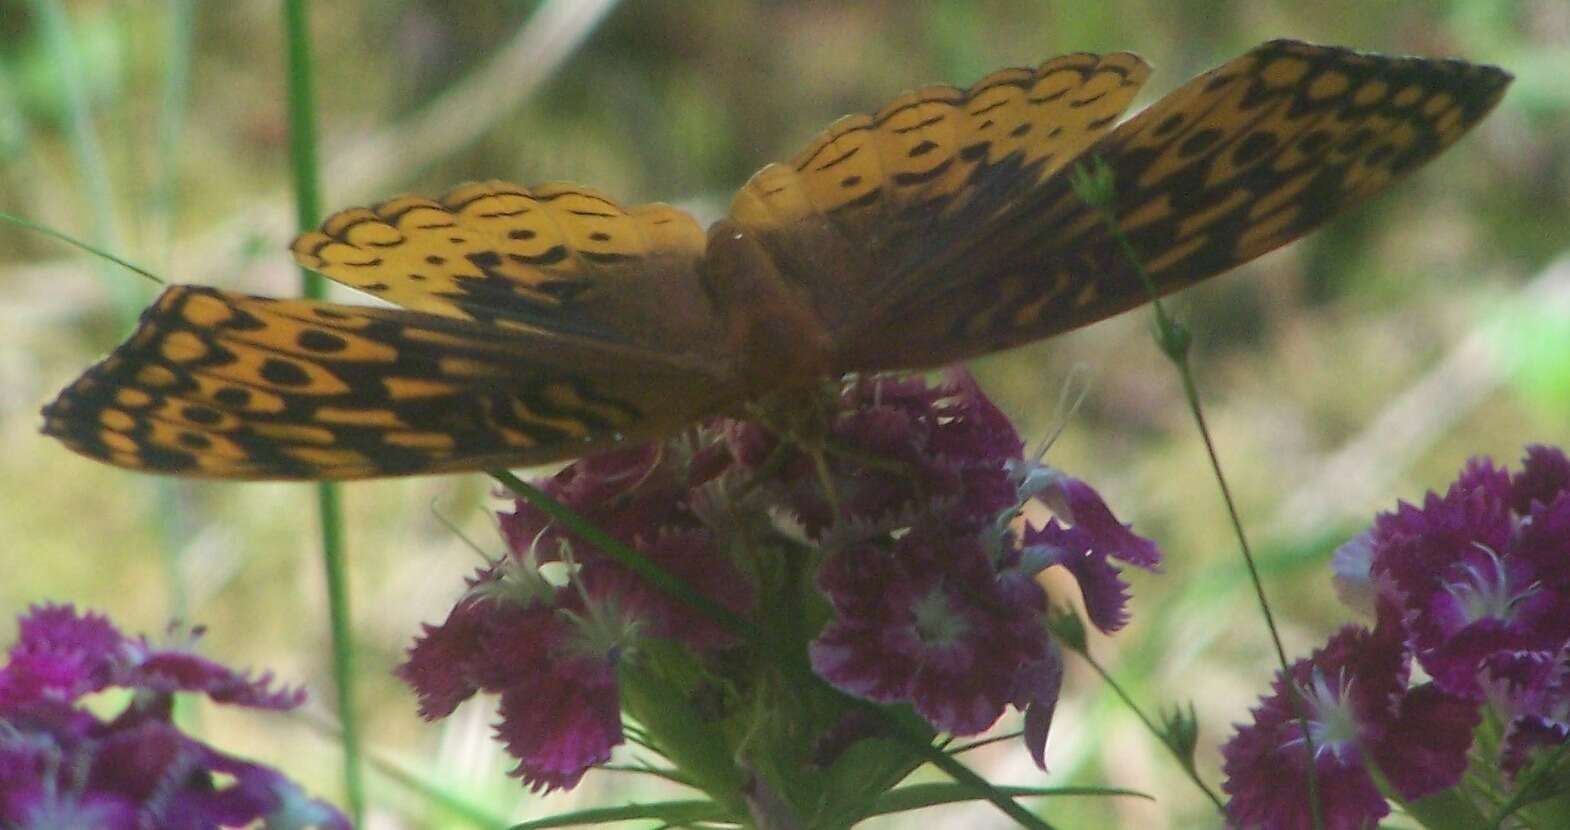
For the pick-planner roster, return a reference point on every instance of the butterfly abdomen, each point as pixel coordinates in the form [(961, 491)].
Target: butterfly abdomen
[(773, 333)]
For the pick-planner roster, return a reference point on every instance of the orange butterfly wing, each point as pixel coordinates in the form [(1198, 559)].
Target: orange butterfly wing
[(555, 257), (1236, 162), (223, 385), (550, 321), (547, 323), (898, 186)]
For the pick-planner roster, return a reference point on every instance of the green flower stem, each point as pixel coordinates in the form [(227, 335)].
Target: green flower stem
[(302, 153), (1185, 763), (1096, 185)]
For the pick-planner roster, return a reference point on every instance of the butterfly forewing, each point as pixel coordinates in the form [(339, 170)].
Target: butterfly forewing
[(554, 257), (1241, 160), (230, 386), (875, 193)]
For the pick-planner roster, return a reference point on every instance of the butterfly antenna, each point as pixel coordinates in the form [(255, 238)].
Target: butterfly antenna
[(1076, 387), (463, 537), (80, 245)]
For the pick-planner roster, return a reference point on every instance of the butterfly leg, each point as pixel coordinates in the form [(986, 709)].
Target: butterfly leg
[(820, 463), (771, 466)]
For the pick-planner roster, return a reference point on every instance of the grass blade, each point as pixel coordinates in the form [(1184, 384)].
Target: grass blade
[(307, 200)]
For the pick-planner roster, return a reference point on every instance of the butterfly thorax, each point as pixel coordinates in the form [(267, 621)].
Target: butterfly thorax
[(773, 333)]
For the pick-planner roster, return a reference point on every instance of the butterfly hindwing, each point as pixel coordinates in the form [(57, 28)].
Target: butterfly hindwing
[(223, 385), (1238, 161)]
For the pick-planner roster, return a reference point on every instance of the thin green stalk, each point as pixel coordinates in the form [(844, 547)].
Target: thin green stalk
[(1096, 186), (1185, 763), (302, 153), (962, 774)]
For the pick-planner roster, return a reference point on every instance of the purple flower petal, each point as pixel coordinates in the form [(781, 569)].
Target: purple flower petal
[(36, 807), (488, 640), (518, 642), (560, 711), (1100, 583), (168, 670), (61, 766), (59, 628), (1526, 737), (61, 655), (1481, 474), (855, 659), (1544, 477), (1544, 541), (1037, 688), (1423, 750), (929, 622), (1349, 798), (898, 450), (1349, 689), (691, 556), (437, 663), (625, 492), (971, 425), (1418, 547), (1081, 506), (174, 779), (560, 722)]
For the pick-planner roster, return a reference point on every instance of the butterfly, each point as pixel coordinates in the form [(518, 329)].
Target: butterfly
[(542, 323)]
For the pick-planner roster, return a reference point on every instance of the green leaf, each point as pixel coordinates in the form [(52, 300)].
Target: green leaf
[(674, 813), (919, 796), (1446, 810), (694, 743)]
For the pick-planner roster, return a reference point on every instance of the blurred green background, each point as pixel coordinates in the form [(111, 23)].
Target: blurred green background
[(1340, 374)]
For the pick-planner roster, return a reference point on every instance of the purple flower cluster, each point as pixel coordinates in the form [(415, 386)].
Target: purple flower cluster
[(1475, 587), (61, 766), (883, 521)]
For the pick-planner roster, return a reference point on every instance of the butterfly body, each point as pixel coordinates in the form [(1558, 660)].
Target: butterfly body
[(775, 336), (542, 323)]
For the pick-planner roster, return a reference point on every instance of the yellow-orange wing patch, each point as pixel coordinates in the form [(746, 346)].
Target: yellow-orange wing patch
[(223, 385), (875, 193), (553, 256), (1240, 160)]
